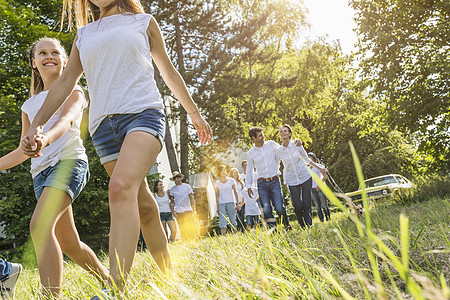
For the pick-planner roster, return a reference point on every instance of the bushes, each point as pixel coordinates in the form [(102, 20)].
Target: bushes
[(426, 188)]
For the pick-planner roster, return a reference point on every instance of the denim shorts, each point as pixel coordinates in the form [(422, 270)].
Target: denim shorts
[(69, 175), (111, 133), (165, 216)]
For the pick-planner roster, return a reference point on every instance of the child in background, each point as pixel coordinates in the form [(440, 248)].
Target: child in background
[(126, 119), (252, 209), (59, 172)]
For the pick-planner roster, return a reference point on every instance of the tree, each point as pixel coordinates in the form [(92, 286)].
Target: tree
[(404, 47)]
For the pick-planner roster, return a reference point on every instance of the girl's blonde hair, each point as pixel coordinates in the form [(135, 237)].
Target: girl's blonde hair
[(86, 11), (239, 175), (37, 84)]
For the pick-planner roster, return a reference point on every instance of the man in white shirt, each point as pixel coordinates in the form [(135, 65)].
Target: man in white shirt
[(182, 203), (262, 157)]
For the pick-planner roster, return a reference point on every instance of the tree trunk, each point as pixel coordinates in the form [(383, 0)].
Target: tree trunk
[(184, 136), (170, 149)]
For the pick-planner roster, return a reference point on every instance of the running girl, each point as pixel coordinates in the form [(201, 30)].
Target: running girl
[(52, 226), (126, 119)]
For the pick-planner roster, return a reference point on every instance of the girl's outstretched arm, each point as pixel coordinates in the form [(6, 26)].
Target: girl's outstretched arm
[(70, 111), (57, 94), (175, 82), (16, 156)]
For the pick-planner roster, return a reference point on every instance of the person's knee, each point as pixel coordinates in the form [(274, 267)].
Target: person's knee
[(119, 189)]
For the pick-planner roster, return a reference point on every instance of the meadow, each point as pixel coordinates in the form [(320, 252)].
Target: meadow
[(403, 253)]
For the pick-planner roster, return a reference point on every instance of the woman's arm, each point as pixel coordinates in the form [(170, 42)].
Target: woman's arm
[(69, 113), (16, 156), (175, 82), (217, 198), (58, 93)]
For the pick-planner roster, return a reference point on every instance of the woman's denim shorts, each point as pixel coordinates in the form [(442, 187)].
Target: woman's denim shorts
[(111, 133), (165, 216), (69, 175)]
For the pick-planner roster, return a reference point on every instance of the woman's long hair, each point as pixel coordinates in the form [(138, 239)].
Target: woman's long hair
[(85, 11), (238, 178), (155, 186), (37, 84)]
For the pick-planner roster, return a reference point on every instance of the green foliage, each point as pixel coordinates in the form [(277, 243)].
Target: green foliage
[(405, 62), (426, 187)]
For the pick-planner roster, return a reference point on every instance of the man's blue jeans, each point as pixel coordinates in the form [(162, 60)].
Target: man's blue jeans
[(5, 269), (320, 201), (270, 195)]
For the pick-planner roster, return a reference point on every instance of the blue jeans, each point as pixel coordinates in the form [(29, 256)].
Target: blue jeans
[(270, 195), (5, 269), (240, 219), (252, 220), (320, 201), (301, 199), (227, 209)]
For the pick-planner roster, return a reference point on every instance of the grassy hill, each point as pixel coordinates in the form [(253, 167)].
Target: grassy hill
[(404, 254)]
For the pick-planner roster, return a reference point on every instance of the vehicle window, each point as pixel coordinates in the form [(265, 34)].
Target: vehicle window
[(401, 180), (380, 181)]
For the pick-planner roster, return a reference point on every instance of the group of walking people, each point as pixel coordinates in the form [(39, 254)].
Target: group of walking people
[(242, 198)]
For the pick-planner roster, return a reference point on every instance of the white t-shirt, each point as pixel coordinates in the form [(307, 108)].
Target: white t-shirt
[(115, 55), (226, 194), (239, 188), (68, 146), (163, 203), (317, 172), (251, 207), (180, 193)]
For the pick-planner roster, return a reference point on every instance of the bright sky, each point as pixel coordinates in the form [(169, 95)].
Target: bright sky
[(334, 18)]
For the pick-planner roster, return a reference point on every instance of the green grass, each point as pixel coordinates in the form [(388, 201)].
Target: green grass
[(328, 261), (393, 251)]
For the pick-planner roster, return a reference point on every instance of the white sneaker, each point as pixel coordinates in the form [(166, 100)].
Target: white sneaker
[(8, 286)]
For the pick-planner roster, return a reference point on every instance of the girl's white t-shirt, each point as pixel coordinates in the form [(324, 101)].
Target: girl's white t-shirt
[(251, 207), (68, 146), (239, 189), (163, 203), (226, 194), (115, 55)]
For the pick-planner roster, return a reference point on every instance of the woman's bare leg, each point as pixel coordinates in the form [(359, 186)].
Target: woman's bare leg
[(152, 230), (72, 246), (137, 155), (51, 205), (173, 230)]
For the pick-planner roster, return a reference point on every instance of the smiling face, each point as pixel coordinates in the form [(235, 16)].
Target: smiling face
[(259, 139), (285, 134), (49, 59), (235, 174), (160, 186), (177, 180)]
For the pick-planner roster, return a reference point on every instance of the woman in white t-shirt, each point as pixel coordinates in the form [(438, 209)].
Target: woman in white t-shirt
[(60, 171), (226, 198), (240, 207), (165, 212), (116, 52)]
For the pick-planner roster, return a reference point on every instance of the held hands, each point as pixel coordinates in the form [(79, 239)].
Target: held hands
[(203, 129), (34, 142)]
